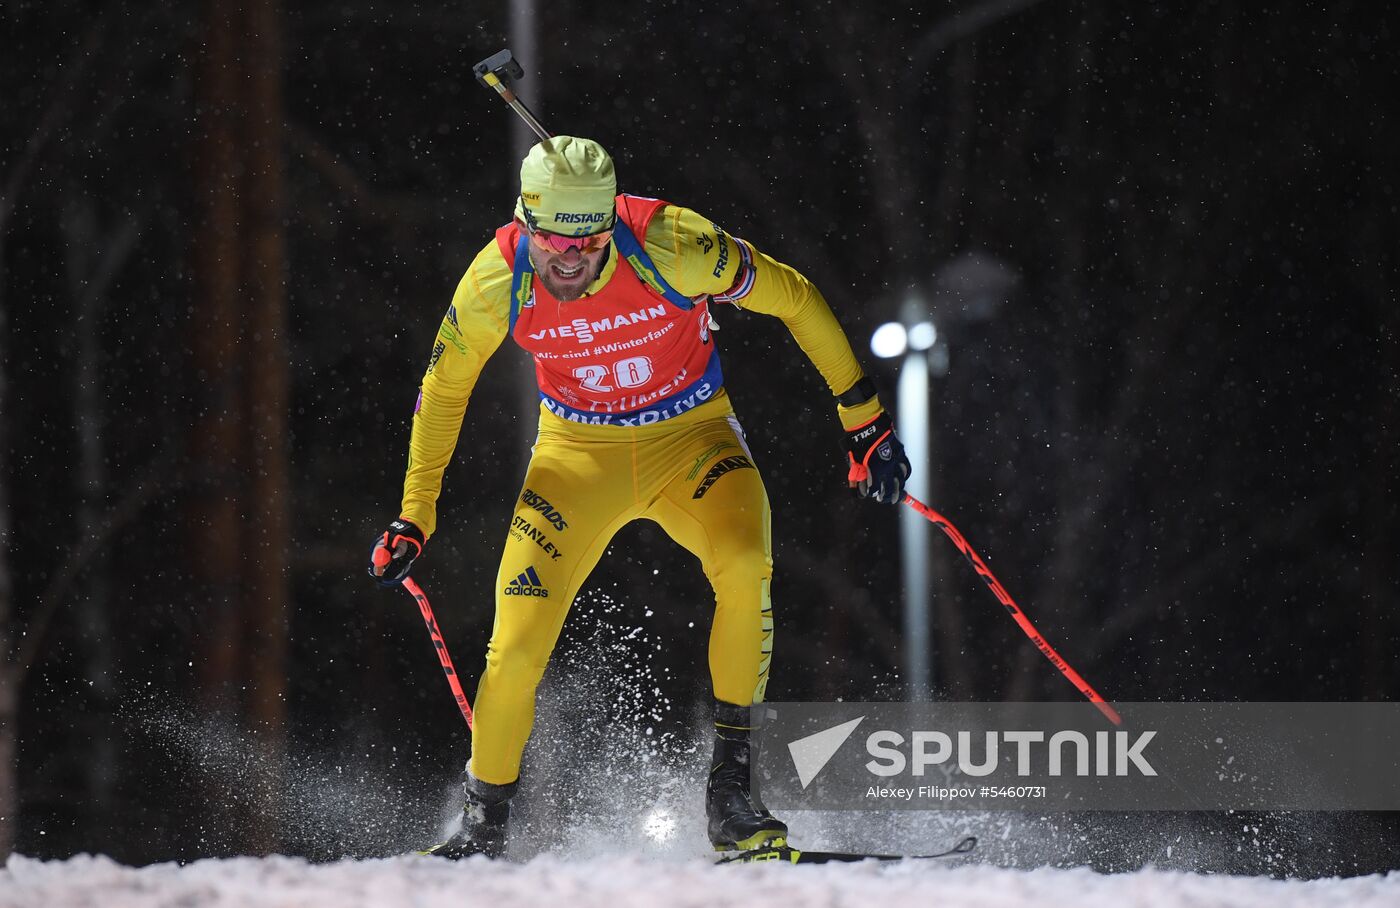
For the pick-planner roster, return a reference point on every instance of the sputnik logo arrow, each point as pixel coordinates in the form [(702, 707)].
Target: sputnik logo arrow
[(812, 753)]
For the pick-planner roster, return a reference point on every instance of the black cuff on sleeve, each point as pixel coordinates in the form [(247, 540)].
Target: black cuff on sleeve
[(858, 393)]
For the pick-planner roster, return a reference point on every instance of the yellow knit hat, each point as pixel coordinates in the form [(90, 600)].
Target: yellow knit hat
[(567, 185)]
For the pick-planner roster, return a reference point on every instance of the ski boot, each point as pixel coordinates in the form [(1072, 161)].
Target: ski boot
[(485, 819), (738, 821)]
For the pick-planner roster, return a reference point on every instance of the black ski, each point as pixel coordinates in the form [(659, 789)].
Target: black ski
[(786, 853)]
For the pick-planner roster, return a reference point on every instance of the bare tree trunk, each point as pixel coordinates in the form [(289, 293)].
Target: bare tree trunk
[(239, 521), (214, 536), (93, 263), (94, 637), (267, 364)]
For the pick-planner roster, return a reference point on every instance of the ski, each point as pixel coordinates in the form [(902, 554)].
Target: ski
[(787, 854)]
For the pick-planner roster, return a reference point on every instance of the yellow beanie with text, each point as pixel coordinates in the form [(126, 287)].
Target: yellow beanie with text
[(567, 186)]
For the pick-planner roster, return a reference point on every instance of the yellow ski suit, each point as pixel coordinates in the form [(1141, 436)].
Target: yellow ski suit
[(691, 473)]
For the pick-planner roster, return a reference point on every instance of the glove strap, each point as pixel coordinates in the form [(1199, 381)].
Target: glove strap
[(416, 544), (384, 551), (860, 469)]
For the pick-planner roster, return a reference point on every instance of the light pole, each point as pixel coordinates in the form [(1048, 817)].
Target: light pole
[(913, 340)]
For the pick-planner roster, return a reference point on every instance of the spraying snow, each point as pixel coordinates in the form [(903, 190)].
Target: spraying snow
[(613, 817)]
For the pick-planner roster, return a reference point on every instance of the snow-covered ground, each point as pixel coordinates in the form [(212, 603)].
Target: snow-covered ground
[(613, 817), (622, 882)]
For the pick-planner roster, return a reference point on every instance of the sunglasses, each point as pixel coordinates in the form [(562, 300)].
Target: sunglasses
[(555, 242)]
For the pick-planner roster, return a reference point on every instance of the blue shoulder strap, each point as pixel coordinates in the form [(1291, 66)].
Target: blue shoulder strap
[(635, 254), (522, 282)]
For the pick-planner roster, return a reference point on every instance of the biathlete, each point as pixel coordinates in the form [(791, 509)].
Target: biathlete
[(612, 296)]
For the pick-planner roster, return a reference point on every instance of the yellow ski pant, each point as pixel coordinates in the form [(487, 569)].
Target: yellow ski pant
[(693, 476)]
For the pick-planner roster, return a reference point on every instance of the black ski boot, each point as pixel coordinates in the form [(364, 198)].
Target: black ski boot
[(738, 821), (484, 821)]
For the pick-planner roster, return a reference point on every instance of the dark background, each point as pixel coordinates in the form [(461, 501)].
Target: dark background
[(1153, 238)]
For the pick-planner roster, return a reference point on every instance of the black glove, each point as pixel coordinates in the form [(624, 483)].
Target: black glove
[(878, 465), (394, 551)]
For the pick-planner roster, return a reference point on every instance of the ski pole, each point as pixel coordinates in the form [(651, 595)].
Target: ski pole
[(1005, 599), (440, 645), (496, 71)]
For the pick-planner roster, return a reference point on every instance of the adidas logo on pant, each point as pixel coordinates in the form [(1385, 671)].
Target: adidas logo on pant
[(527, 584)]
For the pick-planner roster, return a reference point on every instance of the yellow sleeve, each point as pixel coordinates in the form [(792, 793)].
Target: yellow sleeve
[(697, 256), (472, 329)]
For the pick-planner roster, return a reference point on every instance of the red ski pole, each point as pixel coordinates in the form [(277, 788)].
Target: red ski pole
[(440, 645), (1005, 599)]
